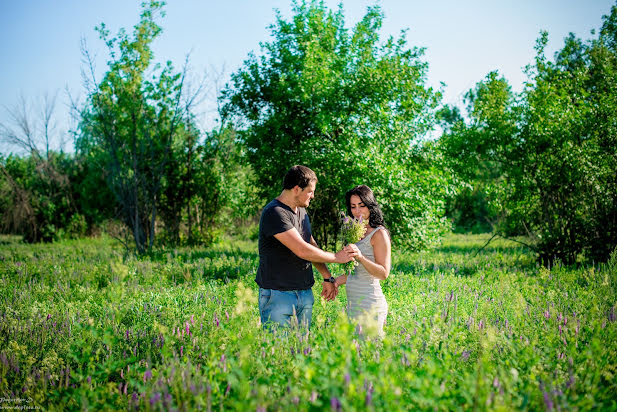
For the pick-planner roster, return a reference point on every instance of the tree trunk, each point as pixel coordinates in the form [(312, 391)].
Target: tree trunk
[(152, 223)]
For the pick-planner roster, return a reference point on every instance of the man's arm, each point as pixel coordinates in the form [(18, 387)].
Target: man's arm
[(328, 290), (320, 266), (304, 250)]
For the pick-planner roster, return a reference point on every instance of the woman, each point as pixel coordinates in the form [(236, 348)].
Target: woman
[(366, 303)]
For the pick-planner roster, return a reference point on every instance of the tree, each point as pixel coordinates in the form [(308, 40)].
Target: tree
[(353, 108), (601, 122), (179, 184), (479, 154), (552, 150), (132, 120), (38, 199)]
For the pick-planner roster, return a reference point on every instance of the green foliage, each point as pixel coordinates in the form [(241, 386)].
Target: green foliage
[(349, 106), (86, 326), (46, 199), (469, 209), (545, 160), (138, 129), (214, 186), (224, 167), (131, 122), (93, 198), (478, 154)]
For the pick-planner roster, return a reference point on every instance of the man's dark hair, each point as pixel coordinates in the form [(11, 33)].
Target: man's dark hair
[(368, 198), (299, 176)]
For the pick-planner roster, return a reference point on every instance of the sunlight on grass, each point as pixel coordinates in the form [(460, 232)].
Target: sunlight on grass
[(85, 325)]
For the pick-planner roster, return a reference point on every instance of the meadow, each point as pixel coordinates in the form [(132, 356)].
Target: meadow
[(83, 325)]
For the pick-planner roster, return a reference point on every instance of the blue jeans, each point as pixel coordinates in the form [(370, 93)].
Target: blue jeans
[(286, 307)]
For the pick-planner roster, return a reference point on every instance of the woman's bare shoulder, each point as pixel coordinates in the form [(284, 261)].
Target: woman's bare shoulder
[(381, 235)]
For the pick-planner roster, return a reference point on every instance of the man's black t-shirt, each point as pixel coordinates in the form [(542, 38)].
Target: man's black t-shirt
[(279, 268)]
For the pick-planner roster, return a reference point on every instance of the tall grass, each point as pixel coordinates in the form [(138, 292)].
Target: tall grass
[(85, 326)]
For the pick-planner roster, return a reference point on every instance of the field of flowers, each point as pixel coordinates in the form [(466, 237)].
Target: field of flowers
[(83, 326)]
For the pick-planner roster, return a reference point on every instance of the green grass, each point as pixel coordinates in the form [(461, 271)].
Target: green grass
[(85, 326)]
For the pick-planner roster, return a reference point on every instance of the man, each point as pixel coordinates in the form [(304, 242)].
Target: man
[(286, 250)]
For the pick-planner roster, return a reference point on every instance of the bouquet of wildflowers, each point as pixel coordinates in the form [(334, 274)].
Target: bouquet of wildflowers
[(352, 231)]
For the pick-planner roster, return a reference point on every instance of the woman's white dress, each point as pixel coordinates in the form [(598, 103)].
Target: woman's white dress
[(366, 303)]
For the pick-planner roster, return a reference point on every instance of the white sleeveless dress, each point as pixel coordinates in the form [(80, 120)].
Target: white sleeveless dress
[(366, 303)]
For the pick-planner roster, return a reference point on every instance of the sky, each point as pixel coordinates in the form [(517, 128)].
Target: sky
[(40, 42)]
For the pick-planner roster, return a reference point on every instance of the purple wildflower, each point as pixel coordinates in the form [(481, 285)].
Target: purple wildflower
[(369, 398), (223, 363), (147, 375), (347, 379), (547, 401), (155, 398), (335, 403), (313, 396)]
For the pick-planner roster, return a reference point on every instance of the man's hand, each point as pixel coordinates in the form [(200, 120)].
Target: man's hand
[(329, 290), (353, 250), (346, 254)]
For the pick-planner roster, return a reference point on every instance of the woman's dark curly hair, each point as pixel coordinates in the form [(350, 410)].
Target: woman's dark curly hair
[(368, 198)]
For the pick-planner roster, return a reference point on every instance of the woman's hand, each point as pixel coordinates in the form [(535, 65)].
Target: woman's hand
[(341, 280), (354, 251), (329, 290)]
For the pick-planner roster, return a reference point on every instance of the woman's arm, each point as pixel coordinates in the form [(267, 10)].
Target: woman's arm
[(380, 268), (341, 280)]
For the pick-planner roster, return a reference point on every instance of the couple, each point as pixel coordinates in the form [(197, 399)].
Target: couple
[(287, 249)]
